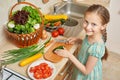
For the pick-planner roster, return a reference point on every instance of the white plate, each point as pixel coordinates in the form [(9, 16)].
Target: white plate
[(37, 63)]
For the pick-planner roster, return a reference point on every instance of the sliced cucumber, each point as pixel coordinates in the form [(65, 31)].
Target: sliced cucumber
[(59, 47)]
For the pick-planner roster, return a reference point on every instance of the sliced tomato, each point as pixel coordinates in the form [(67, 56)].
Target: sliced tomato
[(43, 64), (32, 69), (41, 71), (37, 75)]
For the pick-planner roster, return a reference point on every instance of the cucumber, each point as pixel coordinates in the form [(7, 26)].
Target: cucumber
[(59, 47)]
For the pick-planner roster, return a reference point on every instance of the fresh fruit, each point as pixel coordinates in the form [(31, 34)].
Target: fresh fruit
[(61, 31), (55, 33), (41, 71)]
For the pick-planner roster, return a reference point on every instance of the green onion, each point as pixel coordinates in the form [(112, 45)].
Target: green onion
[(12, 56)]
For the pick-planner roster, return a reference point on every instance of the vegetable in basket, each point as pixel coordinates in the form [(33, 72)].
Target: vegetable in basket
[(24, 21)]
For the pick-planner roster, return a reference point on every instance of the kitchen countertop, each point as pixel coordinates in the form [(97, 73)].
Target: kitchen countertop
[(23, 70)]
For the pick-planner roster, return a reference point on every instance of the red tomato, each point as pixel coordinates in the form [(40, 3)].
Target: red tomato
[(41, 71), (45, 75), (61, 31), (37, 75), (55, 33), (43, 64), (32, 69)]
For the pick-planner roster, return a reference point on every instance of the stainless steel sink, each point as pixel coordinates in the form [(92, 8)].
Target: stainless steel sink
[(75, 12), (72, 9)]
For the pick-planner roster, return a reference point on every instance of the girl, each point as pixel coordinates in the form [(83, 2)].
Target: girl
[(88, 63)]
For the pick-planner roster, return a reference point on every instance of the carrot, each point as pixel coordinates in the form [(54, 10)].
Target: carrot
[(30, 59)]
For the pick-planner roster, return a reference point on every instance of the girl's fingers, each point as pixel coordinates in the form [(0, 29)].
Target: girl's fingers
[(58, 52), (70, 41)]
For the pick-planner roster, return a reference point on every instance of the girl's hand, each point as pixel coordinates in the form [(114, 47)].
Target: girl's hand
[(71, 40), (62, 52)]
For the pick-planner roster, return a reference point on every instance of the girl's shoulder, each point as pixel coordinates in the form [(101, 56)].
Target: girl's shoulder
[(97, 49)]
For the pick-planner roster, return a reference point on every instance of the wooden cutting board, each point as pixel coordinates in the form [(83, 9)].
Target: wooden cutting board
[(49, 55)]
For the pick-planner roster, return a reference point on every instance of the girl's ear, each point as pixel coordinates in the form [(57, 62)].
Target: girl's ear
[(104, 26)]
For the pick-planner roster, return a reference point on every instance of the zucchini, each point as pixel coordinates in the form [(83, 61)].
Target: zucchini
[(30, 59)]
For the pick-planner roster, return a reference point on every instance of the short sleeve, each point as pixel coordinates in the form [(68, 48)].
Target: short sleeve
[(96, 50)]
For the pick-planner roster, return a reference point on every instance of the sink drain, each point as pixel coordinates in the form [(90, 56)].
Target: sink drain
[(71, 22)]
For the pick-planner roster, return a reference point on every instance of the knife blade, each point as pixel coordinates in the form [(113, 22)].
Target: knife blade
[(61, 40)]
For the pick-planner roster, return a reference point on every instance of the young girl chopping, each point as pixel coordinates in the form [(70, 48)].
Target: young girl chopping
[(89, 60)]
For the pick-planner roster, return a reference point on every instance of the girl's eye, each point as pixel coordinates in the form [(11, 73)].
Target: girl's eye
[(93, 24), (85, 22)]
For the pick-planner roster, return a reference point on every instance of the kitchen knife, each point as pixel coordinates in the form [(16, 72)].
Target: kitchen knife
[(61, 40)]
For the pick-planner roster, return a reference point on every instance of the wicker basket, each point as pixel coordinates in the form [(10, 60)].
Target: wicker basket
[(24, 40)]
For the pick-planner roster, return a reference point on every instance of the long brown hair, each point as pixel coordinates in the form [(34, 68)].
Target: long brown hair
[(105, 17)]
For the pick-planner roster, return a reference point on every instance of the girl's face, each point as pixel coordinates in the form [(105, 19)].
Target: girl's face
[(92, 24)]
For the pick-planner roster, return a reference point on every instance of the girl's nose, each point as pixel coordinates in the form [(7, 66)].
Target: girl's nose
[(88, 26)]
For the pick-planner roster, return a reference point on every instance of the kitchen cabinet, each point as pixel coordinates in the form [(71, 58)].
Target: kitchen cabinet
[(66, 72)]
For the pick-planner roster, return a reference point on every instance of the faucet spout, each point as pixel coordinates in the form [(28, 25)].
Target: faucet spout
[(55, 9)]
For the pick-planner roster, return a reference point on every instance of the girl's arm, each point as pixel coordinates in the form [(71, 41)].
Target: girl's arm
[(88, 67), (73, 40), (85, 69)]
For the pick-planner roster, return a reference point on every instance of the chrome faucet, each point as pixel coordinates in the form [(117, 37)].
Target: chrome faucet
[(55, 7)]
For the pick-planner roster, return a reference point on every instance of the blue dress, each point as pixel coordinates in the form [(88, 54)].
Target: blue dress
[(97, 50)]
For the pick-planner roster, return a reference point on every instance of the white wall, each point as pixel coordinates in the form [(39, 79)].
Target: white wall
[(113, 42), (4, 10)]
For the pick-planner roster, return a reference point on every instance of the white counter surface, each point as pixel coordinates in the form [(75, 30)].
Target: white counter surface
[(23, 70)]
